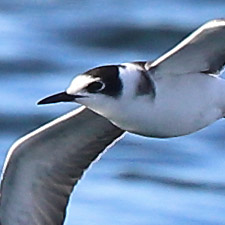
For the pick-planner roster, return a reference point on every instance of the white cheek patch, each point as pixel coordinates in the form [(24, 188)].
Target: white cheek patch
[(80, 82)]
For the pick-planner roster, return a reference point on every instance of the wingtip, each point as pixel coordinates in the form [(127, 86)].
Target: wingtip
[(215, 23)]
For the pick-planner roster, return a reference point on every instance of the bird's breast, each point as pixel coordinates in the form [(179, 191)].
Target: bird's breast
[(180, 107)]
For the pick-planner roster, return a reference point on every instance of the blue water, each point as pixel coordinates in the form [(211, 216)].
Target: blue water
[(140, 181)]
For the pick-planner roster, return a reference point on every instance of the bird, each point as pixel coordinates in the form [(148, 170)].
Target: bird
[(176, 94)]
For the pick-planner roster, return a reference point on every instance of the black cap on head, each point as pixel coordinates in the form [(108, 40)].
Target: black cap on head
[(109, 75)]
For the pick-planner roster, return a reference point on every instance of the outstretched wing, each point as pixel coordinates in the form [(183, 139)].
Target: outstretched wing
[(202, 51), (42, 168)]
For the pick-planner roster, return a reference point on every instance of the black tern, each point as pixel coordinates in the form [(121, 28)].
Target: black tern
[(177, 94)]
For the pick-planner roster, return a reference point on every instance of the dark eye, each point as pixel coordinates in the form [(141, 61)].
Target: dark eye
[(96, 86)]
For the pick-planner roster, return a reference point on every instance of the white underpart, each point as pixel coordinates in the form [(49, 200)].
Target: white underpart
[(183, 104)]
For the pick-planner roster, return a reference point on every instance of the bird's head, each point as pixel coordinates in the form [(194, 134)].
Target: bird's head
[(96, 89), (111, 91)]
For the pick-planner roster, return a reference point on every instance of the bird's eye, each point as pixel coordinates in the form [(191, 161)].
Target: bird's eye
[(95, 86)]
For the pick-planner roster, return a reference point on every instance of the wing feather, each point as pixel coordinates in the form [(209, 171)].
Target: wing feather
[(202, 51), (42, 168)]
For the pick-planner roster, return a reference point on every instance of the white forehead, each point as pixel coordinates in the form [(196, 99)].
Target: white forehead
[(80, 82)]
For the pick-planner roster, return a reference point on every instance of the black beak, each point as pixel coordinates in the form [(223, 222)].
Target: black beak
[(60, 97)]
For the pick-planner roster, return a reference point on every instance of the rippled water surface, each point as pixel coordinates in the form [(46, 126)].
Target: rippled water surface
[(140, 181)]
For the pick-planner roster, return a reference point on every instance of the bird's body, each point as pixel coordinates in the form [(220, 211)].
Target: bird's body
[(176, 105), (177, 94)]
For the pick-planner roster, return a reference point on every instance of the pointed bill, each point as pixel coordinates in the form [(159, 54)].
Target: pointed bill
[(60, 97)]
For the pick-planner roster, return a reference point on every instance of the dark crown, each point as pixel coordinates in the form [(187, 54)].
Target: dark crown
[(109, 75)]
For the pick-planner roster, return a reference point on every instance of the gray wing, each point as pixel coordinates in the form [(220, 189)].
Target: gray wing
[(42, 168), (202, 51)]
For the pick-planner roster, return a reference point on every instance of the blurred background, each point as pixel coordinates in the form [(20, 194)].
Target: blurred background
[(140, 181)]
